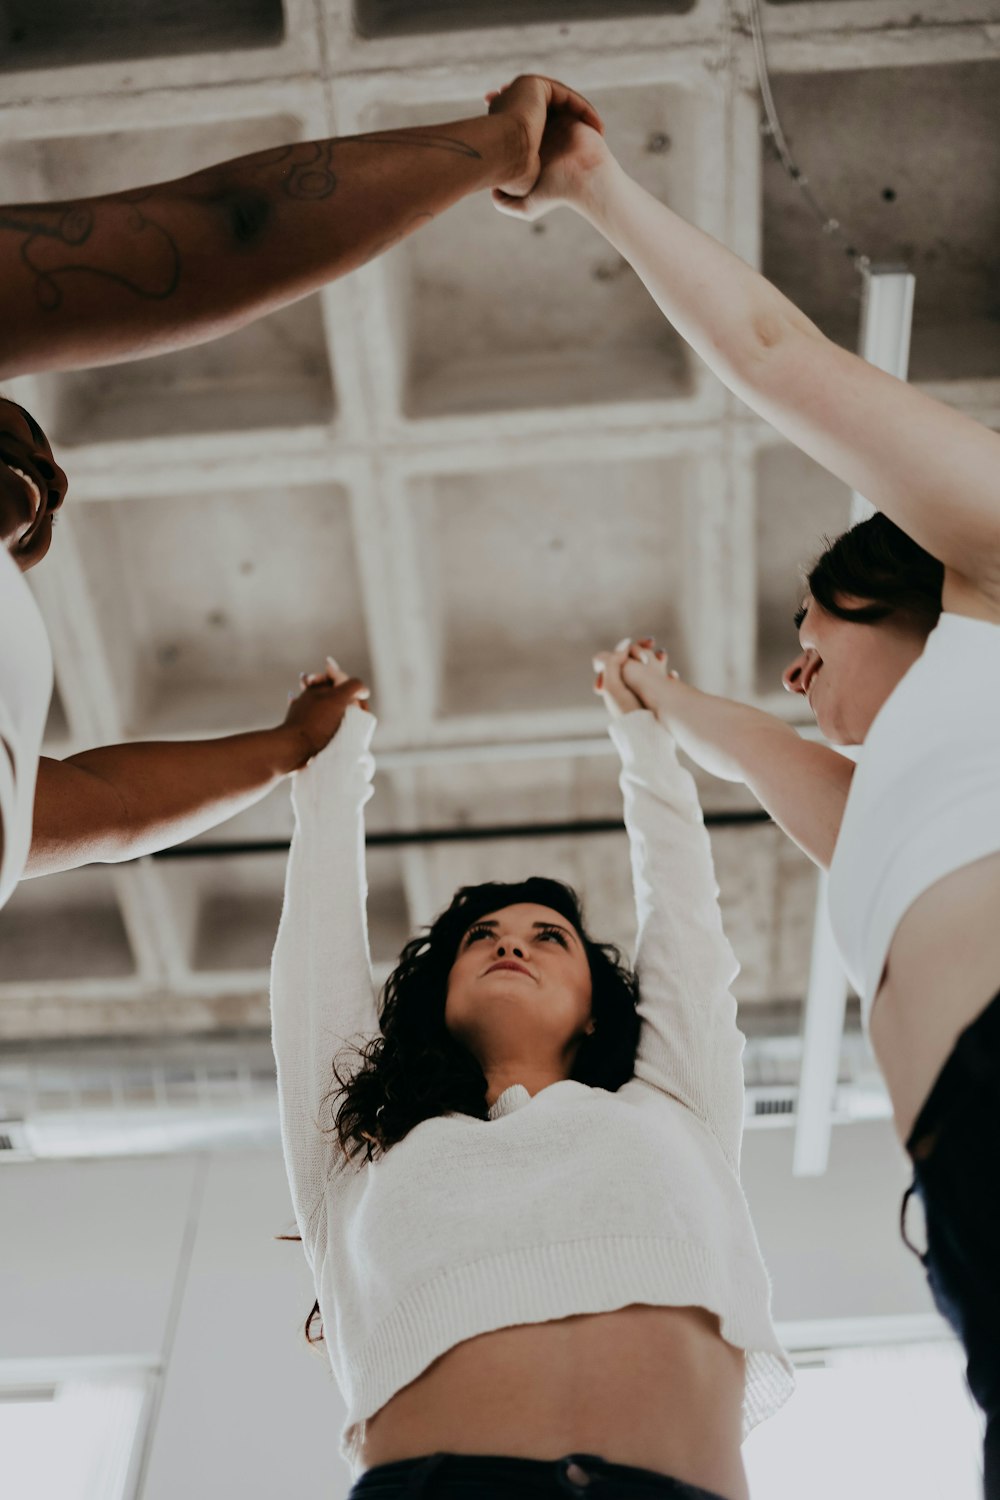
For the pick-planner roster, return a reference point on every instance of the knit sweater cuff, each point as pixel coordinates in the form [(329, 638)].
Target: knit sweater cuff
[(342, 771)]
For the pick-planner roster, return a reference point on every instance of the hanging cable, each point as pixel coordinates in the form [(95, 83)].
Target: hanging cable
[(771, 129)]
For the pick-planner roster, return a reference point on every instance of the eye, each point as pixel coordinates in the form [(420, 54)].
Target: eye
[(799, 616), (474, 933), (554, 932)]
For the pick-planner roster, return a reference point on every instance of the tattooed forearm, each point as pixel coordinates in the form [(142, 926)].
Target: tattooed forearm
[(62, 240), (429, 142), (397, 238), (306, 170)]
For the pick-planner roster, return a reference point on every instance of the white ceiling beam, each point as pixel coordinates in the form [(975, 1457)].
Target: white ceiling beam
[(886, 321)]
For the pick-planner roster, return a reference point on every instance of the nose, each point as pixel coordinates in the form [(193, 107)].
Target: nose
[(793, 678), (55, 478), (507, 948)]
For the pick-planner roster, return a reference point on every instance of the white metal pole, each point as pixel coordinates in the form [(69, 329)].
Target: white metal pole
[(886, 320)]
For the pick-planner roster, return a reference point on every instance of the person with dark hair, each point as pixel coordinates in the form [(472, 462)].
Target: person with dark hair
[(899, 636), (124, 275), (517, 1181)]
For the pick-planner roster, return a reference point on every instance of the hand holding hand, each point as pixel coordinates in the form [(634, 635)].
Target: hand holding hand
[(544, 110), (315, 715), (633, 676)]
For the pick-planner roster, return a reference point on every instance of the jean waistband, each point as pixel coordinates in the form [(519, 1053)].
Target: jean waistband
[(457, 1472), (975, 1057)]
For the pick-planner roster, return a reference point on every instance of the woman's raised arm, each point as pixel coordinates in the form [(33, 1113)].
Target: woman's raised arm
[(929, 468), (122, 275), (117, 802), (802, 784), (322, 990), (690, 1046)]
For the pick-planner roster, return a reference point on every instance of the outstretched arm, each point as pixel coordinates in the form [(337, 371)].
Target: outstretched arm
[(690, 1045), (931, 469), (120, 801), (111, 278), (322, 990), (803, 785)]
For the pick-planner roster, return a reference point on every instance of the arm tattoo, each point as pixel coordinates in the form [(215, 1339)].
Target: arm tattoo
[(59, 239), (306, 170), (58, 242)]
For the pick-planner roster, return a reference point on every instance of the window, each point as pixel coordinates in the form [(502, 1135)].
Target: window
[(870, 1422), (77, 1437)]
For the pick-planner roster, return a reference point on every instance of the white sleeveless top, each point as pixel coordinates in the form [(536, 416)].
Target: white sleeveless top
[(925, 797), (25, 690)]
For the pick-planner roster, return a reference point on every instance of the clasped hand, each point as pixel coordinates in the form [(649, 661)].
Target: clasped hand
[(632, 676), (563, 145)]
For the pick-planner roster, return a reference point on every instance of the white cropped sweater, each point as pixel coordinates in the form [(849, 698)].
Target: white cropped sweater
[(574, 1201)]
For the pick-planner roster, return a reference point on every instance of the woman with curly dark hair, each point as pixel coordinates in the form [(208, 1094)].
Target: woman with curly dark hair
[(517, 1183)]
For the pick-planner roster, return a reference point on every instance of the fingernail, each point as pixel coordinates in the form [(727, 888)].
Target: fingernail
[(661, 656), (599, 684), (646, 640), (644, 658), (621, 646), (332, 663)]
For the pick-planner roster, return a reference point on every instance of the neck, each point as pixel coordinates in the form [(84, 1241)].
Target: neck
[(534, 1076)]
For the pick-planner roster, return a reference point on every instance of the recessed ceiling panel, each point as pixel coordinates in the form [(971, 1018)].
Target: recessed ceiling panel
[(532, 569), (375, 18), (60, 33), (213, 604), (907, 159)]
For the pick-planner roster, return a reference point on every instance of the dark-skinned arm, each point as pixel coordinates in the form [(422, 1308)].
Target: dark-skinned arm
[(160, 267), (120, 801)]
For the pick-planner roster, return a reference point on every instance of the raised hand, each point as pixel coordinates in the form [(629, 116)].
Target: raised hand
[(548, 113), (317, 712), (634, 675)]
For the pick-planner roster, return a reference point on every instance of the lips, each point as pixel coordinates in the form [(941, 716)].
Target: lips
[(508, 964), (30, 485)]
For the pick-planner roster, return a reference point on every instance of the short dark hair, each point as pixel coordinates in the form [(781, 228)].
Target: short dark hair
[(875, 560)]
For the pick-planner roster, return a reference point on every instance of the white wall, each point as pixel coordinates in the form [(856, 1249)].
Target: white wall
[(92, 1254)]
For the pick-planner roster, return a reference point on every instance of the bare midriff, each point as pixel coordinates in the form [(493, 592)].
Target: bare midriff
[(655, 1387), (942, 971)]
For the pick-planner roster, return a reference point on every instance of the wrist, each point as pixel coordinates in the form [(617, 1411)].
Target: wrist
[(596, 190), (505, 148), (289, 749)]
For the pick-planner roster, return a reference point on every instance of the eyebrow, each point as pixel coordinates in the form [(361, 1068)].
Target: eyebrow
[(538, 926)]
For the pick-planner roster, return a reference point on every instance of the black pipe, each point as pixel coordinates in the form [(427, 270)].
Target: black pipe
[(416, 836)]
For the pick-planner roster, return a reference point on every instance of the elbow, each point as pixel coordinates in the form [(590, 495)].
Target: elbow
[(246, 213), (773, 327)]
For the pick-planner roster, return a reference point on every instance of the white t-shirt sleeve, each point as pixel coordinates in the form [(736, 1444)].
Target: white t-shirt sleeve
[(25, 690)]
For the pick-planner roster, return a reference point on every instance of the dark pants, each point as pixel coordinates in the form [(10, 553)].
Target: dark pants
[(955, 1149), (479, 1477)]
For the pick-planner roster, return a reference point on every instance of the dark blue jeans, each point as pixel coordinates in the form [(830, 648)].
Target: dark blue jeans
[(479, 1477), (955, 1149)]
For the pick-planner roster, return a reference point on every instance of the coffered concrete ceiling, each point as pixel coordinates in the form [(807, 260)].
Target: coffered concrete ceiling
[(476, 461)]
